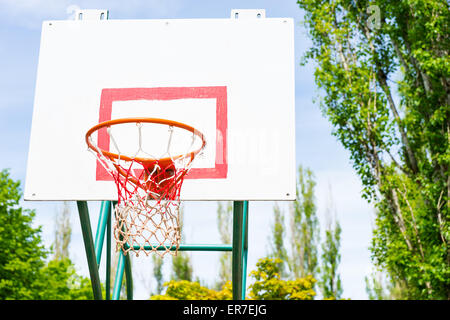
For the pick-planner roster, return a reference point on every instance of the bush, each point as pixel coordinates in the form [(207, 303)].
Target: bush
[(268, 284)]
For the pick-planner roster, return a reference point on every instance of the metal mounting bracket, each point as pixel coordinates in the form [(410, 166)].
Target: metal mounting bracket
[(248, 14), (91, 14)]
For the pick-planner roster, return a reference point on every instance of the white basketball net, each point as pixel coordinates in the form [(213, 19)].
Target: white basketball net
[(147, 212)]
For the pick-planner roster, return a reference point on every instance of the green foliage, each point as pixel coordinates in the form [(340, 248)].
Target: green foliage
[(187, 290), (375, 289), (330, 280), (181, 267), (304, 227), (157, 272), (22, 254), (380, 288), (24, 275), (268, 284), (384, 76), (224, 226), (63, 233), (181, 263), (59, 281), (278, 251), (304, 260)]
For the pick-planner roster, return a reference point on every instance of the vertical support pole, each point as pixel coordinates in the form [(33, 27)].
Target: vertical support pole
[(245, 250), (128, 277), (238, 239), (119, 277), (123, 266), (89, 247), (108, 256), (105, 210)]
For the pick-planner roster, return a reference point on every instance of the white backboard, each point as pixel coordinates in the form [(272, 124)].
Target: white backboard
[(232, 79)]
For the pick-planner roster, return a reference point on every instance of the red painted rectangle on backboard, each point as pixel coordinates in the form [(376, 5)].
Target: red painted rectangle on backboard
[(109, 95)]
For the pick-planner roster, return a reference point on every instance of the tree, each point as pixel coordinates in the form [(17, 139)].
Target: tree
[(157, 272), (304, 227), (22, 253), (305, 239), (224, 225), (24, 275), (181, 263), (268, 284), (187, 290), (379, 288), (278, 251), (63, 233), (383, 70), (330, 281), (181, 267), (58, 280)]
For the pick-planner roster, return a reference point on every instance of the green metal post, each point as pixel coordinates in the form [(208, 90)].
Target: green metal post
[(119, 277), (89, 247), (108, 257), (128, 277), (124, 265), (105, 210), (245, 249), (238, 212)]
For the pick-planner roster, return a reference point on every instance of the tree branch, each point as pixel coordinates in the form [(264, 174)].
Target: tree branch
[(381, 76), (398, 218)]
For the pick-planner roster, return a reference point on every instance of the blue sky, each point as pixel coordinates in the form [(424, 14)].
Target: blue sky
[(316, 148)]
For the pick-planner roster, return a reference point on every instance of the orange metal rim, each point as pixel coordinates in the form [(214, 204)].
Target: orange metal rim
[(113, 155)]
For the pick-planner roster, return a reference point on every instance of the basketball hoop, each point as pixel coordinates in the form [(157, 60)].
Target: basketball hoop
[(148, 183)]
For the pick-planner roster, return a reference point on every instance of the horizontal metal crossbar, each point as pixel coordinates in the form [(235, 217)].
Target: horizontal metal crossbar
[(190, 247)]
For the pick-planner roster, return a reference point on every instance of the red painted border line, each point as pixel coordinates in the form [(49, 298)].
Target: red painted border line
[(109, 95)]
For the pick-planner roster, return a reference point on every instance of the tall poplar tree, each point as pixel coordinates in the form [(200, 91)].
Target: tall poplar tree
[(158, 273), (330, 282), (63, 232), (383, 70), (304, 227), (224, 226), (278, 250), (181, 263)]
